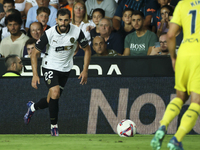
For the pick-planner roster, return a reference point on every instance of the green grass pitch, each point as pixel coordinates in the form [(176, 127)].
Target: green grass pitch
[(87, 142)]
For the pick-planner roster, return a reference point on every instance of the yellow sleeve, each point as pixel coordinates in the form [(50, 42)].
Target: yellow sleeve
[(177, 14)]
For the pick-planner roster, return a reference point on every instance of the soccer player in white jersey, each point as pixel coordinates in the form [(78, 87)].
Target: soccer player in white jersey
[(56, 65)]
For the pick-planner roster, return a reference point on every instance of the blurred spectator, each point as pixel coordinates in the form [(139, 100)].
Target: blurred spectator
[(32, 13), (128, 28), (100, 47), (156, 19), (151, 7), (97, 15), (14, 66), (1, 9), (113, 39), (80, 19), (7, 4), (13, 44), (4, 32), (35, 31), (141, 41), (162, 49), (166, 11), (69, 5), (32, 3), (30, 44), (109, 6), (134, 4), (43, 16)]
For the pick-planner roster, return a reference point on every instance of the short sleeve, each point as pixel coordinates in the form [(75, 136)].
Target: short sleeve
[(42, 42), (153, 39), (126, 42), (82, 40)]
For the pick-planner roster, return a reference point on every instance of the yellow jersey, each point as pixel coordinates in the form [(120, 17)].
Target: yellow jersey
[(187, 15)]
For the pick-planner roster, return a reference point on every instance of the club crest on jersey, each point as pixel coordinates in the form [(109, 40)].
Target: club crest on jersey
[(72, 40), (49, 81)]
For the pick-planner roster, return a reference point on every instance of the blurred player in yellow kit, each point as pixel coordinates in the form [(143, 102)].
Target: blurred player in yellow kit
[(187, 73)]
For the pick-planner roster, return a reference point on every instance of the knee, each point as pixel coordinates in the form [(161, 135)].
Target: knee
[(55, 93)]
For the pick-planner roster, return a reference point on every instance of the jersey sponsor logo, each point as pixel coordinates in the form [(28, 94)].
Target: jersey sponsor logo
[(68, 47), (62, 48), (151, 10), (137, 47), (191, 40), (72, 40)]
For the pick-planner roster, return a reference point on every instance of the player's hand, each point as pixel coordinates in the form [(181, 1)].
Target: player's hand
[(35, 81), (83, 76)]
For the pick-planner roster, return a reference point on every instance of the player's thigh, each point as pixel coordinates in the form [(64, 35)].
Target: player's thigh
[(181, 74), (50, 77), (194, 77), (62, 80)]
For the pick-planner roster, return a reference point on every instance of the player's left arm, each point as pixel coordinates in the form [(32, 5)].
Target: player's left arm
[(85, 46), (171, 41), (87, 57)]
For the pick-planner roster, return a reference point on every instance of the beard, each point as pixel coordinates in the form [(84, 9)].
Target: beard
[(63, 30)]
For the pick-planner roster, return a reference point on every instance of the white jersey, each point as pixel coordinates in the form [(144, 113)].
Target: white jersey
[(61, 47), (34, 3)]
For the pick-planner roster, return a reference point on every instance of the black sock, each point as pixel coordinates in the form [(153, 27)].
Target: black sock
[(53, 110), (41, 104)]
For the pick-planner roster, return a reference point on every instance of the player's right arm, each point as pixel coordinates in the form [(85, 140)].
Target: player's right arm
[(39, 46), (35, 80), (174, 28)]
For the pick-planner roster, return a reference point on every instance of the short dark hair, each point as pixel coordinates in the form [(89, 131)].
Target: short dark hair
[(63, 11), (101, 11), (13, 17), (170, 8), (30, 41), (137, 12), (9, 1), (14, 11), (127, 9), (43, 9), (10, 59)]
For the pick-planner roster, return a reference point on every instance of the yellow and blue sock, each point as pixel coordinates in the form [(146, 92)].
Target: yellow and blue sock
[(188, 121), (172, 110)]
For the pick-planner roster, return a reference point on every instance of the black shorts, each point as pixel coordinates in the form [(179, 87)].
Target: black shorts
[(53, 77)]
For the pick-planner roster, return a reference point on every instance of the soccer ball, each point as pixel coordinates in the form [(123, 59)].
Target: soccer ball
[(126, 128)]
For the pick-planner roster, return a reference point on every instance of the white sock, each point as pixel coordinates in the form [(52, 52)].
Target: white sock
[(54, 126), (32, 108)]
